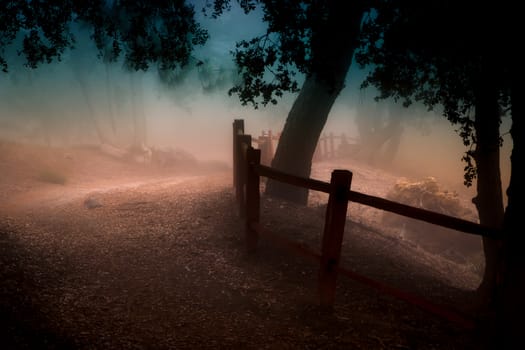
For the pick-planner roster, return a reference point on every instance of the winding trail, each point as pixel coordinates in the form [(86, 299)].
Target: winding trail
[(162, 265), (52, 196)]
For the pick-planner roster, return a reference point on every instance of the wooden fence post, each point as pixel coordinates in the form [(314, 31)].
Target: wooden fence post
[(253, 157), (263, 147), (244, 142), (324, 149), (265, 142), (333, 235), (332, 148), (238, 129), (270, 144)]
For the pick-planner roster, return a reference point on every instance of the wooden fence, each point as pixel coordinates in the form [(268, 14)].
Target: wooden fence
[(330, 146), (247, 172), (265, 142)]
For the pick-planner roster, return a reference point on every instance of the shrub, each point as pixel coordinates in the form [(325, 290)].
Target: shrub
[(52, 176)]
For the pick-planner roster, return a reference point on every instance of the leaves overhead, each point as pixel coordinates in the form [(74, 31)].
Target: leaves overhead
[(272, 63), (143, 32), (439, 53)]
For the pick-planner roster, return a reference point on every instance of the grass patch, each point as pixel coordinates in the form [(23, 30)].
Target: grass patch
[(52, 176)]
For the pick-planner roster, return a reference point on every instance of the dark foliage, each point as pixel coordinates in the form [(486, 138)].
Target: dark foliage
[(270, 65), (439, 53), (143, 32)]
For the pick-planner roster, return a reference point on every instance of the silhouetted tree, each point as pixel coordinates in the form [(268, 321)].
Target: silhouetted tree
[(461, 56)]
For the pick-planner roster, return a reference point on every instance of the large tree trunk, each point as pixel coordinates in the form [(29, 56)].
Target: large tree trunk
[(333, 47), (300, 136), (489, 200), (511, 296)]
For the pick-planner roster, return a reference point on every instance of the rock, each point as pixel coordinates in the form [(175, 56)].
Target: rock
[(169, 157), (112, 151), (140, 153), (92, 203)]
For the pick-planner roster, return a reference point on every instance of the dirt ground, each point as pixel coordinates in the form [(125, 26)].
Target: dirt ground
[(98, 253)]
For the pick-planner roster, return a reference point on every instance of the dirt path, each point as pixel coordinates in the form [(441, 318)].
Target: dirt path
[(49, 197), (161, 264)]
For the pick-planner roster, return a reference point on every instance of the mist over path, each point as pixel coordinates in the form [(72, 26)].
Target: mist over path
[(162, 264), (41, 177)]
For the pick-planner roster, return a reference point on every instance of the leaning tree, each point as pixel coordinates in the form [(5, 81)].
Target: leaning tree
[(311, 39)]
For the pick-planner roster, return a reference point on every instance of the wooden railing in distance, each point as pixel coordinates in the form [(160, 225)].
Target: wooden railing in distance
[(327, 146)]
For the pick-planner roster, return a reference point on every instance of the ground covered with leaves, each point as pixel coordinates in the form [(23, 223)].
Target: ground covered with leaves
[(96, 253)]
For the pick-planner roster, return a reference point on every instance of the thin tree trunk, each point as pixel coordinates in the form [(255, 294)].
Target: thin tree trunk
[(83, 87), (393, 131), (109, 95), (137, 103)]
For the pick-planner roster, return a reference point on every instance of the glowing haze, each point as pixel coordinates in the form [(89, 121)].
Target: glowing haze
[(60, 104)]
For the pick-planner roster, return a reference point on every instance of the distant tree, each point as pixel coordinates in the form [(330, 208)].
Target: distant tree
[(379, 128), (213, 77), (469, 67), (141, 33)]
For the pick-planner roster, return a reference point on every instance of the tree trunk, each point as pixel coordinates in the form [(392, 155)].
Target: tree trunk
[(137, 105), (333, 47), (109, 93), (489, 199), (394, 131), (300, 136), (85, 92), (511, 295), (382, 144)]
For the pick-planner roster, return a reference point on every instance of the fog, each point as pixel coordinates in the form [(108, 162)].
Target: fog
[(63, 104)]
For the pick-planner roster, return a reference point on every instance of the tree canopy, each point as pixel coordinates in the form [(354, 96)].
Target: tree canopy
[(143, 32), (439, 53), (465, 57), (293, 47)]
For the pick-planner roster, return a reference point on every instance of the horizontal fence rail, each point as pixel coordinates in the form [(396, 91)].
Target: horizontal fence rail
[(383, 204), (274, 174), (424, 215), (247, 172)]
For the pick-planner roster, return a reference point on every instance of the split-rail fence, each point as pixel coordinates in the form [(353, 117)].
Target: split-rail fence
[(247, 170)]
